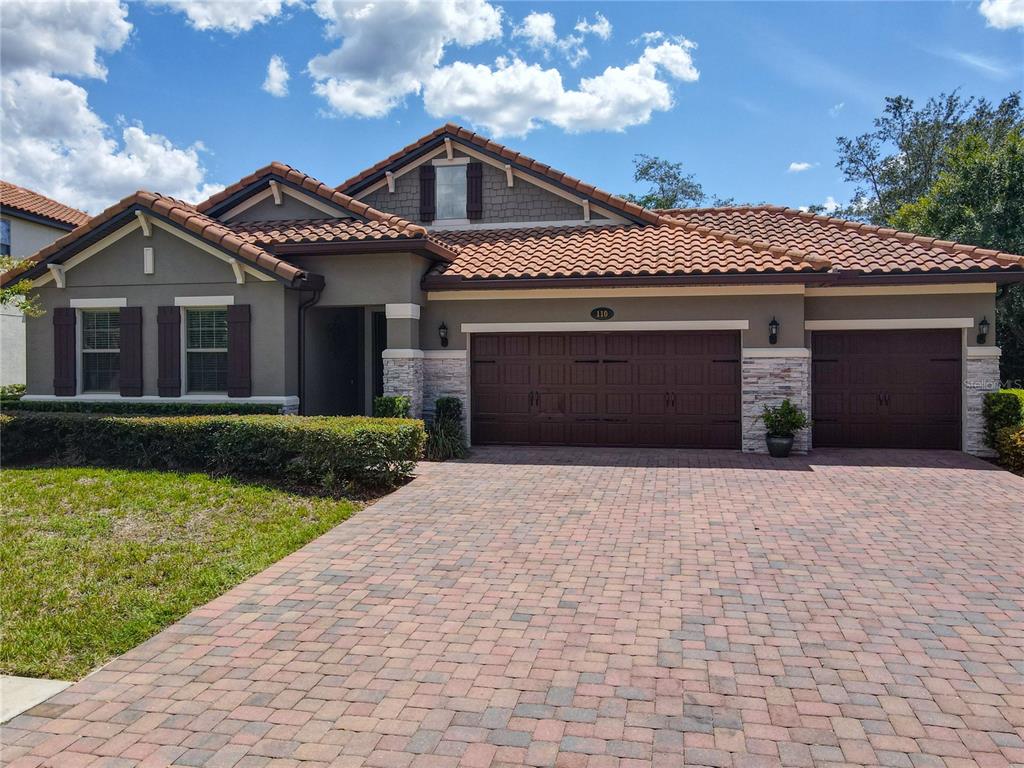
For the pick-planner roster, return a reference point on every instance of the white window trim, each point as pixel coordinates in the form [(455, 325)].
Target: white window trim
[(185, 350), (610, 326), (203, 301), (98, 303), (889, 324), (79, 346)]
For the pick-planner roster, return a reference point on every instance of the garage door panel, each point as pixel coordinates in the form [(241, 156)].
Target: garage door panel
[(877, 389), (658, 388)]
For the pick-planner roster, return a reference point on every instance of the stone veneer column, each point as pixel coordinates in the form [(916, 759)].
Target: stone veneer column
[(403, 375), (769, 376), (981, 375), (445, 375)]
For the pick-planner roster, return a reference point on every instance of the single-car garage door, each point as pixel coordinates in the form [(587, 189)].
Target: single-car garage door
[(886, 389), (665, 388)]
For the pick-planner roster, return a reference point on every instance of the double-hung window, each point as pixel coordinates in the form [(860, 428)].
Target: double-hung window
[(101, 350), (206, 349), (450, 186), (5, 237)]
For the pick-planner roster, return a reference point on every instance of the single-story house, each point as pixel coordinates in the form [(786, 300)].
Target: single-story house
[(28, 221), (559, 313)]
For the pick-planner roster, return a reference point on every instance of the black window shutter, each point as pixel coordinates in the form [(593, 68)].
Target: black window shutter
[(65, 382), (474, 191), (130, 320), (239, 351), (168, 380), (427, 192)]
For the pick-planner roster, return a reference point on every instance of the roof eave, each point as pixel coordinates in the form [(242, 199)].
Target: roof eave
[(37, 218)]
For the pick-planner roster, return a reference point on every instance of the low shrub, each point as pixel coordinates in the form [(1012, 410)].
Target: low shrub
[(391, 407), (1010, 445), (1000, 410), (446, 438), (170, 408), (315, 453), (784, 420), (11, 392)]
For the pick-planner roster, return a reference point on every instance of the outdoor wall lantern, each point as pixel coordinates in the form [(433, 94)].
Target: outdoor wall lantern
[(442, 331), (773, 331), (983, 330)]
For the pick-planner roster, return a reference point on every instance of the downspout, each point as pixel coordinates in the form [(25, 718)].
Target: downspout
[(303, 306)]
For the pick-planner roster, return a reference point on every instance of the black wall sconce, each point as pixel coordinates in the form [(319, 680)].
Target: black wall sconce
[(773, 331), (983, 330), (442, 331)]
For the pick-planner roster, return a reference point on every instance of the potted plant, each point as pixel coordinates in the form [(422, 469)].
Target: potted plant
[(782, 422)]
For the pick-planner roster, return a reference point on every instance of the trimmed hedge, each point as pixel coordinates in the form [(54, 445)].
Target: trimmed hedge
[(1000, 410), (1010, 445), (320, 453), (170, 408), (392, 406)]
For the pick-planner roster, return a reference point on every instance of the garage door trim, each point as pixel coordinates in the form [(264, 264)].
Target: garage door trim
[(891, 324)]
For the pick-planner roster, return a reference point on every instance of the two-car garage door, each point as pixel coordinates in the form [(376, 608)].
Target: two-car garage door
[(664, 388)]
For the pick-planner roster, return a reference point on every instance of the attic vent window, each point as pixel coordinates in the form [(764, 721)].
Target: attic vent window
[(451, 191)]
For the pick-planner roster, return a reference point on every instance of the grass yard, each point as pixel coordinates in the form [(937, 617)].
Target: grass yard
[(94, 561)]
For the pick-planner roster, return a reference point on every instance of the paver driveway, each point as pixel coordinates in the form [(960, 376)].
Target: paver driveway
[(600, 608)]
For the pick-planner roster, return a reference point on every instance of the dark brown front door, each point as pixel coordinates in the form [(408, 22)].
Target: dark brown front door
[(666, 388), (886, 389)]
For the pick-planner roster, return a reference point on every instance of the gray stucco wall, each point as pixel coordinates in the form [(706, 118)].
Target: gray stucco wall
[(522, 202), (181, 270), (758, 310), (290, 208), (364, 279), (27, 237)]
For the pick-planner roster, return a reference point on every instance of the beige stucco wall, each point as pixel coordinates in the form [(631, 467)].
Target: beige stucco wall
[(757, 309), (27, 237), (181, 270)]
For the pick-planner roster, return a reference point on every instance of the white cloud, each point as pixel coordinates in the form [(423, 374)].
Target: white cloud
[(830, 205), (232, 16), (276, 83), (835, 109), (600, 26), (1003, 14), (538, 30), (800, 167), (513, 97), (52, 140), (388, 50)]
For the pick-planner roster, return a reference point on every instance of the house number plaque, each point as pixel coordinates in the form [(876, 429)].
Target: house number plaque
[(602, 313)]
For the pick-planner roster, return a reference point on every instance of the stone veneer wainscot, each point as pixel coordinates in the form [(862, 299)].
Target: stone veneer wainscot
[(769, 381), (981, 375)]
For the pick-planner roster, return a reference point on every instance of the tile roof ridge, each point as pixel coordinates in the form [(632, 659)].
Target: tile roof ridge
[(948, 246), (796, 255)]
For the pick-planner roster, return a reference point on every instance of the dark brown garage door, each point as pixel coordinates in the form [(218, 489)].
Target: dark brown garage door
[(679, 389), (886, 389)]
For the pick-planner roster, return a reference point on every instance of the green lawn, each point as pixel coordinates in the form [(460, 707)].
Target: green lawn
[(94, 561)]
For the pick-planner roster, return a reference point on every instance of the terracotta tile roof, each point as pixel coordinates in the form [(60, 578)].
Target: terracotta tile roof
[(848, 245), (454, 131), (180, 213), (620, 250), (319, 189), (27, 201)]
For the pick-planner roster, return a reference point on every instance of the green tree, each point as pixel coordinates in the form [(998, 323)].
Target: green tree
[(899, 161), (669, 187), (19, 294), (978, 198)]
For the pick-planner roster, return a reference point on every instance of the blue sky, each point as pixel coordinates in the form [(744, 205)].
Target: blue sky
[(753, 87)]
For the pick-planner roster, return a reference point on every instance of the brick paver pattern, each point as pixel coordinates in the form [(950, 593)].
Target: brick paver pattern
[(599, 608)]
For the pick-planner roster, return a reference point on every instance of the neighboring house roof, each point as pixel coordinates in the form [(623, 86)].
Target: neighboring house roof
[(461, 135), (175, 211), (26, 201), (620, 250), (849, 245)]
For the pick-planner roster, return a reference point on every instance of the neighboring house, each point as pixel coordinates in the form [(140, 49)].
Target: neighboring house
[(28, 221), (559, 313)]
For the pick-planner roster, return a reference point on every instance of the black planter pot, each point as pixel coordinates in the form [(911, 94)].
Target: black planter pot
[(779, 447)]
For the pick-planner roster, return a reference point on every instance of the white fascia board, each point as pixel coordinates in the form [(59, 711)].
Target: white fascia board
[(889, 324), (609, 326)]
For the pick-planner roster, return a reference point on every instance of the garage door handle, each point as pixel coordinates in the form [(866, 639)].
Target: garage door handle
[(595, 360), (615, 361)]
